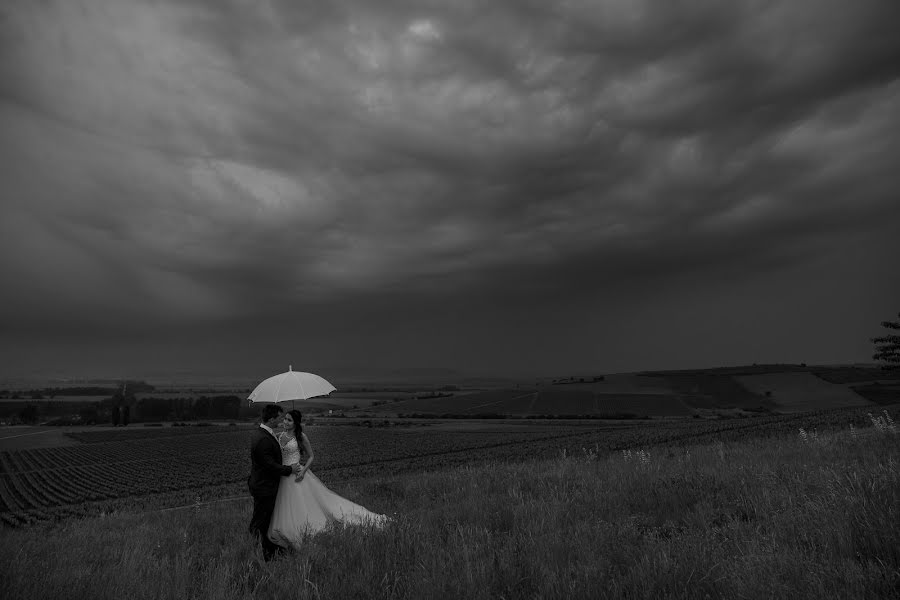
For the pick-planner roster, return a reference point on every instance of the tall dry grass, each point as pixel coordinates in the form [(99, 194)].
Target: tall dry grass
[(814, 516)]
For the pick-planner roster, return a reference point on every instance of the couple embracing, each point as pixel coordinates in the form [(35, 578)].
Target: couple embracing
[(289, 501)]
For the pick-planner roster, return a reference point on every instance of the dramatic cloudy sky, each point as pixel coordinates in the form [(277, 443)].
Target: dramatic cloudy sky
[(499, 186)]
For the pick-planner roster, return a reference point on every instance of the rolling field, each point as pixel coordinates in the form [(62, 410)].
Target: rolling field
[(723, 391), (853, 374), (171, 395), (558, 401), (146, 468), (463, 404), (170, 464), (709, 391), (878, 393), (25, 437), (373, 396), (59, 398), (642, 405), (335, 401), (786, 516), (348, 402), (798, 392), (625, 383), (663, 394)]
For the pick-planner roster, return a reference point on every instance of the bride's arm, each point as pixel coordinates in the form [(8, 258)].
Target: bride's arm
[(307, 449)]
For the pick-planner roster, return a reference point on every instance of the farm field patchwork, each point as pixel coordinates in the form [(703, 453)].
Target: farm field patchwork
[(642, 405), (798, 392), (462, 404), (125, 470), (782, 517), (341, 402), (558, 401), (118, 464), (702, 390), (23, 437), (624, 383), (854, 374), (55, 398), (659, 394), (879, 393)]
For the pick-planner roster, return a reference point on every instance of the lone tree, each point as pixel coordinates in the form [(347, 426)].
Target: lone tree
[(887, 347)]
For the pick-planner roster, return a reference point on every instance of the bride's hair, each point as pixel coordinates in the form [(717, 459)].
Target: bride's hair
[(298, 423)]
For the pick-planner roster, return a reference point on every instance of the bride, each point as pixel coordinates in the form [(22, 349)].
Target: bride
[(304, 504)]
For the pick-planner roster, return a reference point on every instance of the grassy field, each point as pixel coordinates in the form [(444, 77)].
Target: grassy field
[(814, 516), (139, 468)]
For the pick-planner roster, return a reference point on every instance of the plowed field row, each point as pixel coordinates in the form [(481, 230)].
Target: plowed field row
[(54, 483), (525, 402)]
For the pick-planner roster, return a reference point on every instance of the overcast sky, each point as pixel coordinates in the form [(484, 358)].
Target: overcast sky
[(500, 186)]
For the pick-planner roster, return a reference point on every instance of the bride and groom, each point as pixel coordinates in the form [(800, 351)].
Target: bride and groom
[(289, 501)]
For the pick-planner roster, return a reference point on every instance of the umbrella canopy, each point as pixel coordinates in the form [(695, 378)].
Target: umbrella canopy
[(292, 385)]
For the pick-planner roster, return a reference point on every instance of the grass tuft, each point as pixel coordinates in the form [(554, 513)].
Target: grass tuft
[(798, 516)]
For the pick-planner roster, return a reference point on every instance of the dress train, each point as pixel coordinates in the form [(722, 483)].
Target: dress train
[(308, 506)]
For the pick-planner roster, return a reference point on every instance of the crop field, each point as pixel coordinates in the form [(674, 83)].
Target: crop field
[(25, 438), (172, 464), (625, 383), (349, 402), (854, 374), (60, 398), (464, 404), (878, 393), (334, 401), (798, 392), (563, 402), (145, 469), (169, 395), (374, 396), (702, 390), (557, 401), (642, 405), (679, 393)]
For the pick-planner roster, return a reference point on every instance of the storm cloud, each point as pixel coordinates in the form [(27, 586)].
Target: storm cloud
[(510, 185)]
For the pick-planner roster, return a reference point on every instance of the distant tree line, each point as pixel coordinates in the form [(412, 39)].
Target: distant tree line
[(188, 409), (52, 392), (122, 409), (566, 380)]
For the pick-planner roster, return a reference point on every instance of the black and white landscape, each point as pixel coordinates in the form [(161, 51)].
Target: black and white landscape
[(607, 288)]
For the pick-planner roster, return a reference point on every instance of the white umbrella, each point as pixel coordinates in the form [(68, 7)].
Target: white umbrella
[(292, 385)]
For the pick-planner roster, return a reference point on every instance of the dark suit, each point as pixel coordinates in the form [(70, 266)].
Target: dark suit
[(266, 472)]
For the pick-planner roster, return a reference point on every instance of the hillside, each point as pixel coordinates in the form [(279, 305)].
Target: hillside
[(725, 391), (798, 392), (785, 517)]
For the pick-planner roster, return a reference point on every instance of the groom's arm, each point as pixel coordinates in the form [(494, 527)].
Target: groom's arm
[(267, 461)]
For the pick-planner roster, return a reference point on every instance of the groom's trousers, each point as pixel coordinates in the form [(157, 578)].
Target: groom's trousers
[(263, 507)]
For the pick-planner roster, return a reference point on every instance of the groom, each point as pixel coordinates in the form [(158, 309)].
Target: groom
[(266, 471)]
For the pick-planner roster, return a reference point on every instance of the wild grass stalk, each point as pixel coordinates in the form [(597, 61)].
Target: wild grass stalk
[(767, 518)]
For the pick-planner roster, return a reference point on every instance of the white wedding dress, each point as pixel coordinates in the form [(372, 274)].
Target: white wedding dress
[(308, 506)]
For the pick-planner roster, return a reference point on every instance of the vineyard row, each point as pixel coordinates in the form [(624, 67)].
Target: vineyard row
[(40, 484)]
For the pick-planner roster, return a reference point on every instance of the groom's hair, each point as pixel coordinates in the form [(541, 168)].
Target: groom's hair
[(270, 411)]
